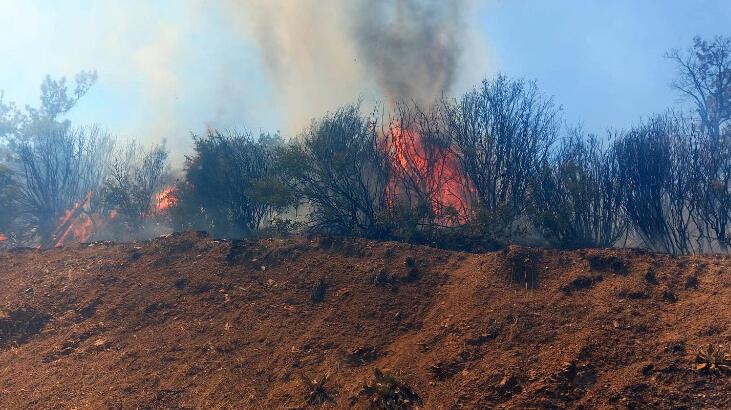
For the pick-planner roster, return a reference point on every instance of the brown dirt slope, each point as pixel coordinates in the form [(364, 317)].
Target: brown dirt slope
[(190, 322)]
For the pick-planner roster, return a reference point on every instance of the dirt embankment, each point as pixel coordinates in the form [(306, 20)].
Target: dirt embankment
[(190, 322)]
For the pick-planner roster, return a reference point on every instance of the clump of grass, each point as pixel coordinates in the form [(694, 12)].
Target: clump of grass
[(388, 392), (412, 270), (317, 393), (713, 360), (317, 294)]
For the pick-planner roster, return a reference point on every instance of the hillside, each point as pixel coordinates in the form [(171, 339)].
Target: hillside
[(186, 321)]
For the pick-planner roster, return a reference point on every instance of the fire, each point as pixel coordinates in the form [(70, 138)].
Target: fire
[(166, 199), (76, 221), (3, 238), (434, 170), (80, 223)]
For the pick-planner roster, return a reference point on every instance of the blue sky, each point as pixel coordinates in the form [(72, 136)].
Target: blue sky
[(602, 60), (170, 67)]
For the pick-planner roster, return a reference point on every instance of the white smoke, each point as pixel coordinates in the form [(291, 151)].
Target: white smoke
[(325, 53), (166, 69)]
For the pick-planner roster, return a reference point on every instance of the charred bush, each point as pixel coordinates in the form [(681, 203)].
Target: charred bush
[(704, 73), (413, 272), (503, 131), (634, 294), (317, 392), (658, 168), (608, 263), (181, 283), (237, 248), (669, 296), (580, 283), (578, 200), (362, 355), (9, 207), (382, 278), (338, 168)]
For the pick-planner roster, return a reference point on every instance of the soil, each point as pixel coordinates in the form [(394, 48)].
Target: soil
[(186, 321)]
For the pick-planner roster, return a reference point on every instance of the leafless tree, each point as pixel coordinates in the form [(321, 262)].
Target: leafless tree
[(704, 77)]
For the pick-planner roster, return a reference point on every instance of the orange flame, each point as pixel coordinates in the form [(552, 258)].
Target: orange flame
[(436, 171), (80, 223), (3, 238), (77, 221), (166, 199)]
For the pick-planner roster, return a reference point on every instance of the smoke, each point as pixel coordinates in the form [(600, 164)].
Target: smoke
[(309, 59), (168, 69), (324, 53), (411, 47)]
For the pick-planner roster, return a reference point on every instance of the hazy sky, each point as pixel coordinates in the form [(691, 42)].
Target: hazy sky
[(170, 67)]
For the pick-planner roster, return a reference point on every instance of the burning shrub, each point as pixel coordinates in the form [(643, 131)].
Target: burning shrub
[(340, 170), (426, 179), (56, 166), (229, 186), (135, 175)]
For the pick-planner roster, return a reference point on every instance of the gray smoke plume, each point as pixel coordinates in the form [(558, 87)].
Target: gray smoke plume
[(412, 47), (324, 53)]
